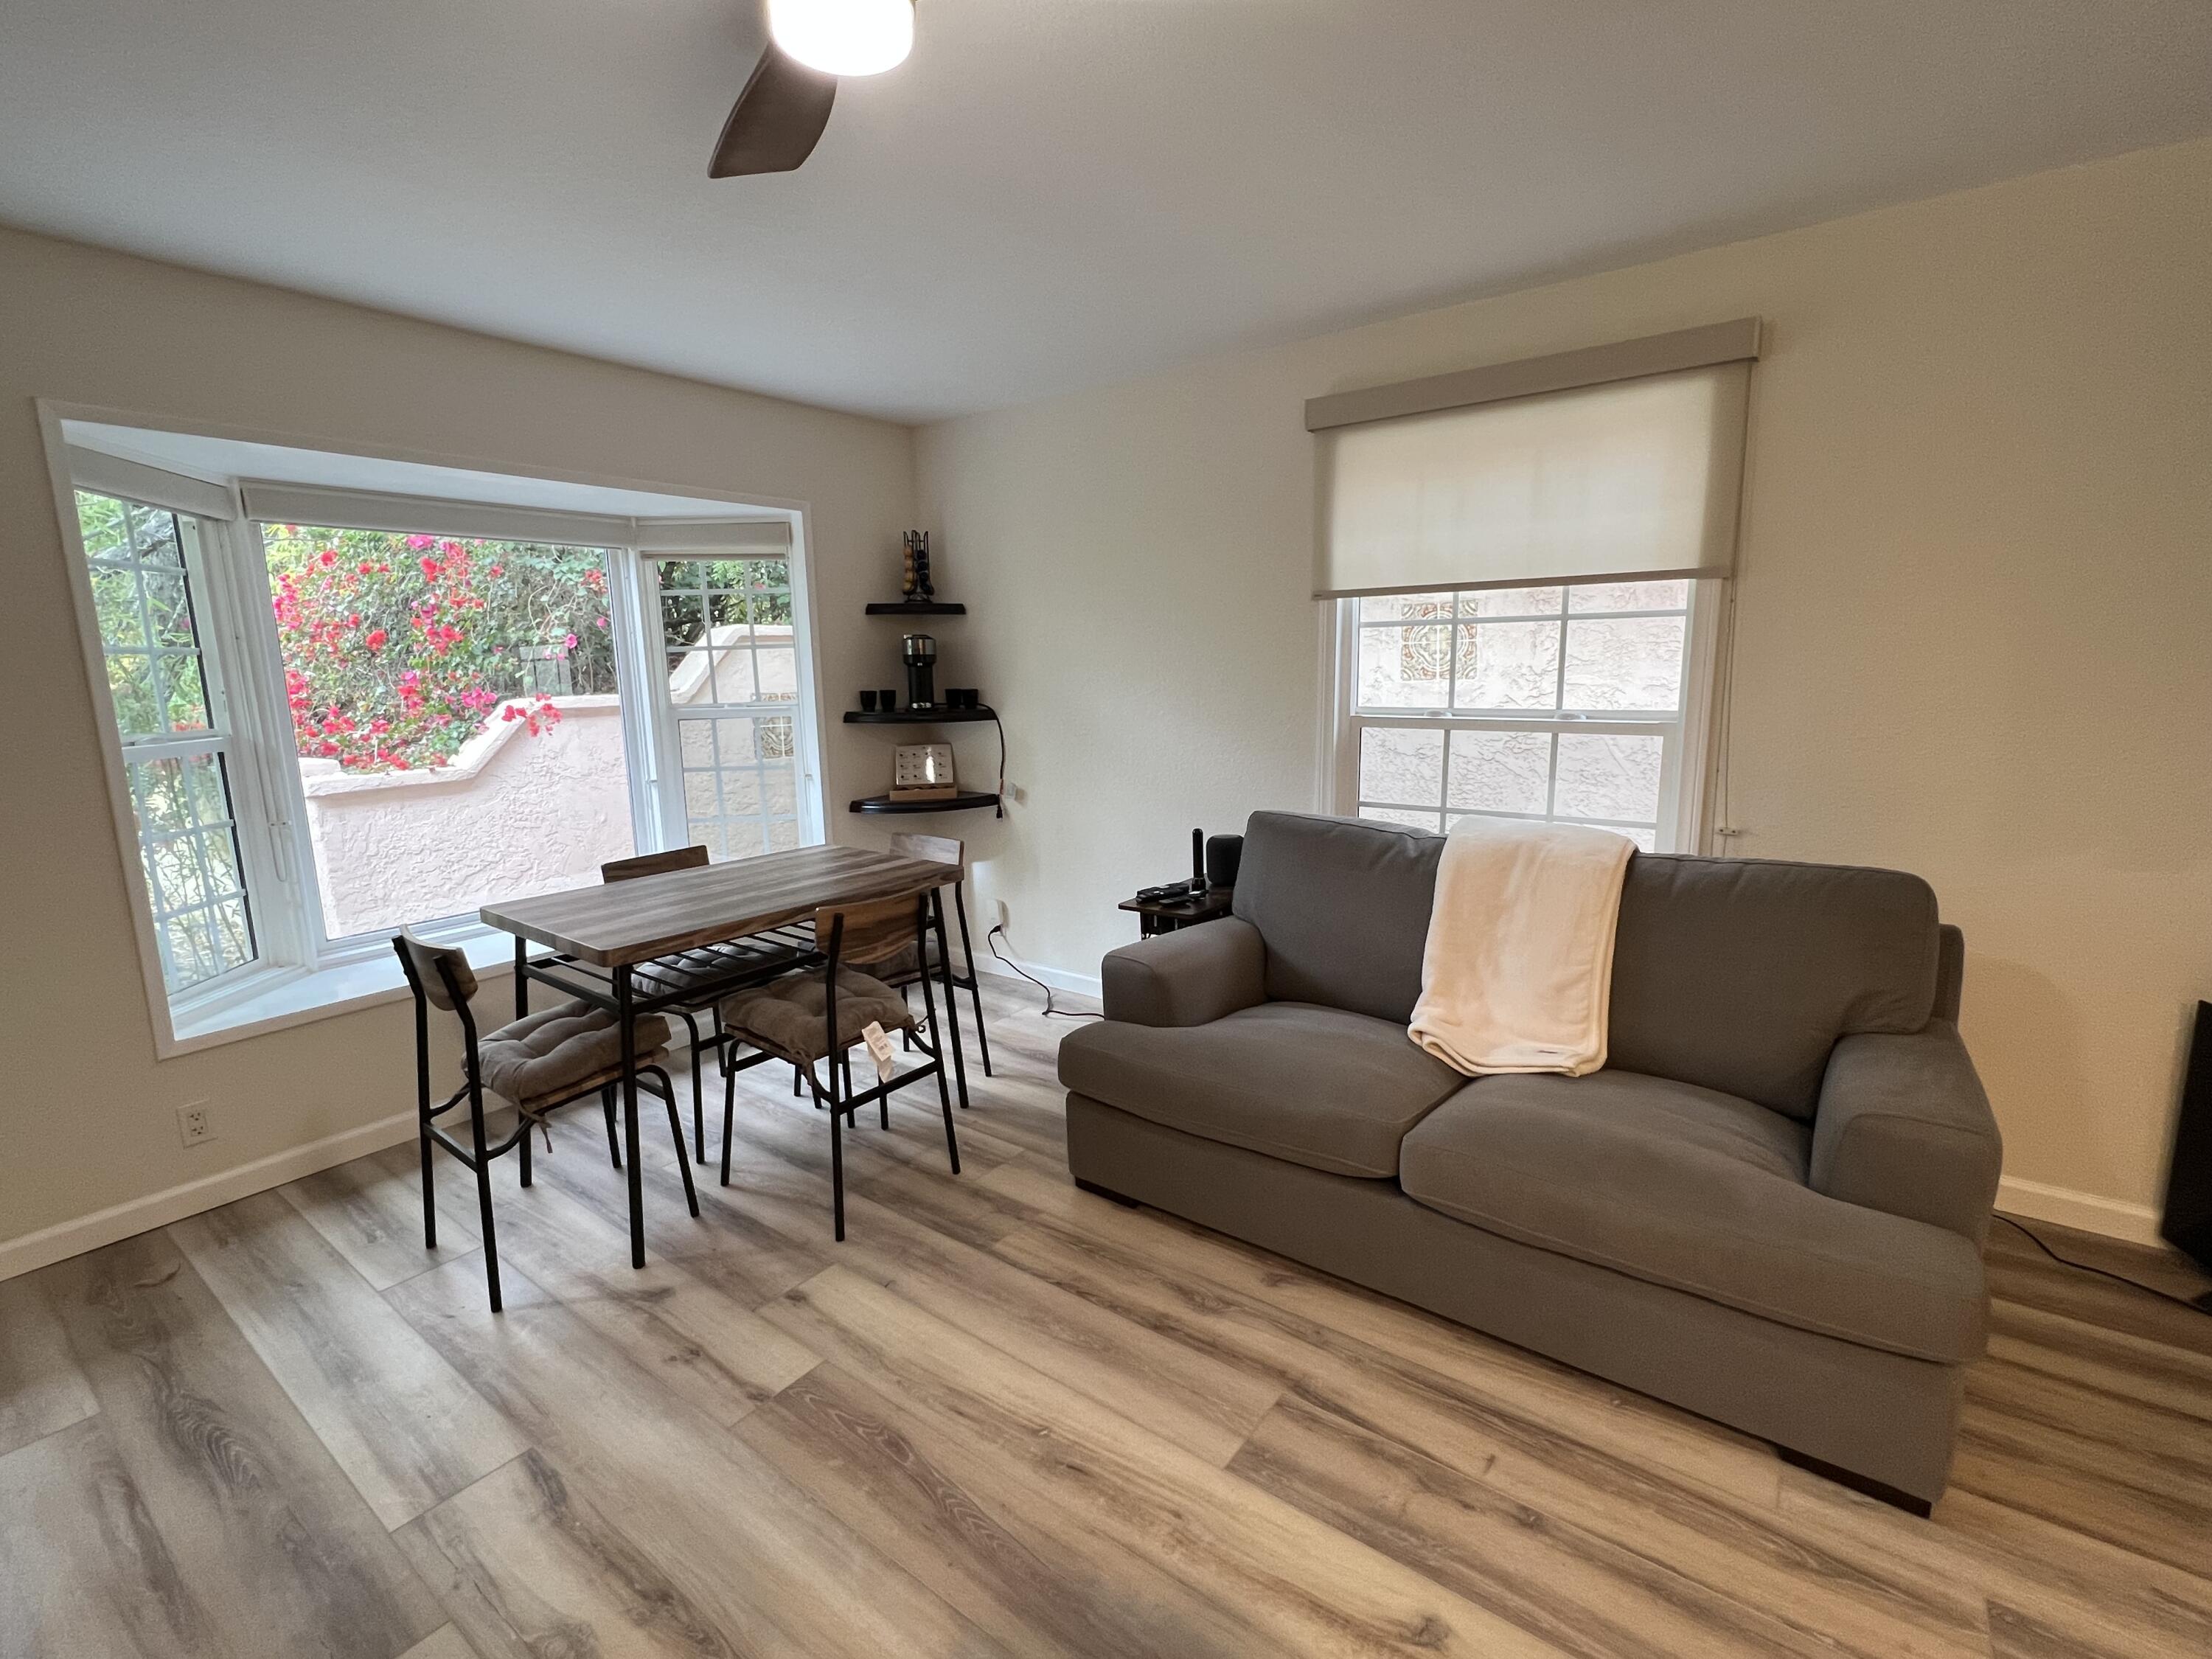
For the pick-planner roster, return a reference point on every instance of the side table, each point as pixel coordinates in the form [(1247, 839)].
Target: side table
[(1155, 916)]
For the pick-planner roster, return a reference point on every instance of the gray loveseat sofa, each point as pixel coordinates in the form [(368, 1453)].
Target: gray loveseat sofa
[(1768, 1208)]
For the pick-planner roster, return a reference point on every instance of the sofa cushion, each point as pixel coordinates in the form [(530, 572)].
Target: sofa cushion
[(1741, 973), (1318, 1086), (1343, 909), (1737, 974), (1698, 1190)]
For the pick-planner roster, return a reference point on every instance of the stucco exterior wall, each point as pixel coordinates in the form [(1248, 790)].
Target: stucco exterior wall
[(514, 815)]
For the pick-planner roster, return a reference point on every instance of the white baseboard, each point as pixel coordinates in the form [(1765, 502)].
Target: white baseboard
[(2137, 1224), (120, 1221), (1060, 979)]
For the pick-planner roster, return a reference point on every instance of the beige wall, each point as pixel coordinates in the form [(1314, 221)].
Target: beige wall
[(87, 1116), (1973, 612)]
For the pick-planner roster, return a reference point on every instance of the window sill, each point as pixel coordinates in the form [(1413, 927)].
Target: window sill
[(280, 998)]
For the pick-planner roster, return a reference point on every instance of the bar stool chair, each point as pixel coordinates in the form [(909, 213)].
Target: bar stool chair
[(537, 1064), (817, 1014), (672, 972), (944, 849)]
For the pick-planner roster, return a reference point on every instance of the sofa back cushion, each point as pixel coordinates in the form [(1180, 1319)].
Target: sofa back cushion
[(1741, 973), (1343, 909), (1732, 974)]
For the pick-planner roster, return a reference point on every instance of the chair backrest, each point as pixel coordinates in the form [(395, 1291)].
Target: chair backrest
[(652, 864), (875, 932), (437, 971), (933, 849)]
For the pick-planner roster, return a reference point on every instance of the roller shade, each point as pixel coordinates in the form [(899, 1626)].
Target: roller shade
[(1625, 479)]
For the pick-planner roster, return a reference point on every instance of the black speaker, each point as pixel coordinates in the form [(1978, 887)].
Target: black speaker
[(2188, 1221), (1224, 854)]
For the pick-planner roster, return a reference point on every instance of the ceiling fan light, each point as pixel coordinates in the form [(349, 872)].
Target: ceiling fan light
[(844, 37)]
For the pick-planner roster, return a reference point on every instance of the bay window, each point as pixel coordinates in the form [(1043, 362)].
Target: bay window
[(334, 712)]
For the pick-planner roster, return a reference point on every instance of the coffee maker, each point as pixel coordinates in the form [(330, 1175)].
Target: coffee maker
[(919, 651)]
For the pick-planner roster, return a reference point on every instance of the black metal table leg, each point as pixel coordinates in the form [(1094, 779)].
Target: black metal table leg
[(632, 1168), (975, 983), (698, 1095), (521, 976), (951, 1015)]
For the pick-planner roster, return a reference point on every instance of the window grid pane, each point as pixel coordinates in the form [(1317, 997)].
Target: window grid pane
[(157, 679), (188, 845), (1523, 669), (726, 628)]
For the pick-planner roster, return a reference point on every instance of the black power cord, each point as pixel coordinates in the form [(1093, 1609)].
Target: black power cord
[(2201, 1304), (998, 931)]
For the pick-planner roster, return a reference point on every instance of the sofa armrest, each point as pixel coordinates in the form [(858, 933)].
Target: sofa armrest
[(1903, 1126), (1190, 977)]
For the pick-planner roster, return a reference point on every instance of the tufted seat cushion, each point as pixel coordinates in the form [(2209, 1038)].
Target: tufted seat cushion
[(559, 1051), (789, 1016)]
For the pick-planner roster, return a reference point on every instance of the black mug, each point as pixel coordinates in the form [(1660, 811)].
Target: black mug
[(867, 702), (888, 702)]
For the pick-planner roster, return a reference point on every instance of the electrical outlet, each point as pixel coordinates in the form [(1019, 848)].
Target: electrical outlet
[(1003, 923), (193, 1123)]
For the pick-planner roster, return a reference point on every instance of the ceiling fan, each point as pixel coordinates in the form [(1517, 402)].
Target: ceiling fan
[(779, 117)]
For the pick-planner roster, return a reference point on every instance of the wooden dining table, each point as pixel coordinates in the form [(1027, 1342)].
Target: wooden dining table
[(727, 926)]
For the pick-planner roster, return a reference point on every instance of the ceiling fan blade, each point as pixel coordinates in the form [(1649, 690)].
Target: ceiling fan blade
[(777, 120)]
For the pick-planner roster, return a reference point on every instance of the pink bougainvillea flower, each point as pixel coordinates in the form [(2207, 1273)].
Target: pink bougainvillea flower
[(599, 622), (417, 543), (328, 557), (497, 570), (570, 641), (376, 639), (429, 567)]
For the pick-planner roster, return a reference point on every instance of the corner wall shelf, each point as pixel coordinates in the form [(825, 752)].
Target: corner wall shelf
[(964, 802), (939, 716), (917, 608)]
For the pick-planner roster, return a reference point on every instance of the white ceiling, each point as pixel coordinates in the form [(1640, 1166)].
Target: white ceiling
[(1049, 193)]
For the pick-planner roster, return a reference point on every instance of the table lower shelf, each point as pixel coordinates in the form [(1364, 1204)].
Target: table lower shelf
[(966, 801)]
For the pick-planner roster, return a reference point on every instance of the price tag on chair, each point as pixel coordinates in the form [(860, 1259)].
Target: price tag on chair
[(879, 1047)]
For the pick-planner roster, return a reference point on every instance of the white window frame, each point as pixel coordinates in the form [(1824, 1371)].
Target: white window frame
[(1684, 774), (673, 811), (197, 510), (299, 972)]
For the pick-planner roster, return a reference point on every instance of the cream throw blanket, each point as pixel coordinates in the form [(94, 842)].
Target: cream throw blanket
[(1518, 972)]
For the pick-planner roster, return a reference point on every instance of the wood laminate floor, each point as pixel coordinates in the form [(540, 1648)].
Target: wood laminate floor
[(1004, 1417)]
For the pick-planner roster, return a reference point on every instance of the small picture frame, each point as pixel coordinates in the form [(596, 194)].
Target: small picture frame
[(923, 771)]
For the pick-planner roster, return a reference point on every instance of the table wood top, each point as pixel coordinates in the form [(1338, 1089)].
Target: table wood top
[(630, 921)]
